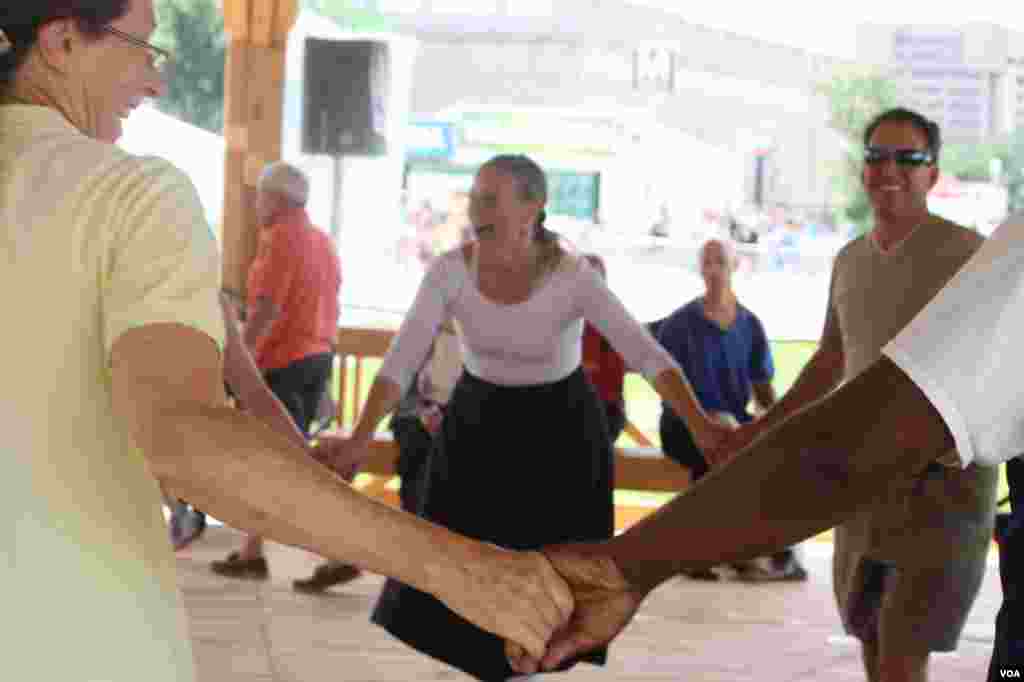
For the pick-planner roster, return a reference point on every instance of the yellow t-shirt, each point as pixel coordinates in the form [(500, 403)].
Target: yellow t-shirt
[(93, 242)]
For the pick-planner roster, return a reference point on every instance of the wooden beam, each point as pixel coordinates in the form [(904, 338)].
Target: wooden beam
[(253, 115), (635, 468)]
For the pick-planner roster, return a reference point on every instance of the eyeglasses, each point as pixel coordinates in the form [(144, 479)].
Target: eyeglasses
[(160, 60), (903, 157)]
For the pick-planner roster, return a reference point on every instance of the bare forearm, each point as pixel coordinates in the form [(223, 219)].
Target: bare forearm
[(805, 476), (259, 320), (765, 396), (264, 405), (675, 390), (819, 377), (384, 396), (233, 466), (242, 375)]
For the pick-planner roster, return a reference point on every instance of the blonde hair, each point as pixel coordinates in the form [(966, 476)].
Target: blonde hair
[(533, 186)]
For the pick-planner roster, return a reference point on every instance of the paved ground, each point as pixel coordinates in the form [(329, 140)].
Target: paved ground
[(707, 632)]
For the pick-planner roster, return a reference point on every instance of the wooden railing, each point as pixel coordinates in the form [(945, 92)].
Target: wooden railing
[(638, 468)]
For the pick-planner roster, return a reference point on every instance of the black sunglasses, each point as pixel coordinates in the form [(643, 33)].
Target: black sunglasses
[(904, 157)]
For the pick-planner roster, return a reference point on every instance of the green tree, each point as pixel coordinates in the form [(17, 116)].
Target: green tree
[(972, 162), (1013, 170), (354, 15), (854, 97), (193, 31)]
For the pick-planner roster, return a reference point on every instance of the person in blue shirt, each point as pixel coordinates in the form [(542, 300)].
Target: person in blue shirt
[(724, 352)]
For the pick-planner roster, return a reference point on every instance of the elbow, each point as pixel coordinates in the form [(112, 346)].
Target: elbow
[(828, 468), (161, 436), (832, 471), (155, 440)]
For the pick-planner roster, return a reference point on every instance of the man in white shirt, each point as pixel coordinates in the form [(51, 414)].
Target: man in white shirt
[(950, 379)]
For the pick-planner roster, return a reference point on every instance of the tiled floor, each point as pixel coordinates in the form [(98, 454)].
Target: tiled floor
[(706, 632)]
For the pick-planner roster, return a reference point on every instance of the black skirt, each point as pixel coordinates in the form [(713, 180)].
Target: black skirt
[(517, 466)]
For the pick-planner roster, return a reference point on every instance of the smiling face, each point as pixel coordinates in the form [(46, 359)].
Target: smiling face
[(124, 74), (899, 192), (496, 204), (97, 81)]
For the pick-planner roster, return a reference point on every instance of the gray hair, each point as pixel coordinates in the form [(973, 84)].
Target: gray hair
[(285, 179)]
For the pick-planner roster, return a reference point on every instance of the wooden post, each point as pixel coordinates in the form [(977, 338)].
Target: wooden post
[(253, 112)]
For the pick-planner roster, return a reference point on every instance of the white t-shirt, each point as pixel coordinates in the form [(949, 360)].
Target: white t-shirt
[(965, 350), (94, 242), (534, 342)]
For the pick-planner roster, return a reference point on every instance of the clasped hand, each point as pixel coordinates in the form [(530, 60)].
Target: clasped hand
[(604, 605), (732, 443), (339, 454), (518, 596)]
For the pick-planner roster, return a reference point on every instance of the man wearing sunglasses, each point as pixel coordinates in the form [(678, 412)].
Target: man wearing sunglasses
[(944, 391), (908, 567)]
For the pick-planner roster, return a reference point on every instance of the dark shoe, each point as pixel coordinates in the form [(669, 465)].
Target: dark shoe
[(186, 526), (756, 572), (325, 576), (702, 574), (237, 567)]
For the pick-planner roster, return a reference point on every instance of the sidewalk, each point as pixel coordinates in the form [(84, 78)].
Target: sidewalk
[(686, 630)]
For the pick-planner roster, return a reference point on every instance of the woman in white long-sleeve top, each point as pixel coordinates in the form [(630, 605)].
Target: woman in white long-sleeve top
[(523, 457)]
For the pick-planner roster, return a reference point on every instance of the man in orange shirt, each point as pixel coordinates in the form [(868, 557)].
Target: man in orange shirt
[(291, 318)]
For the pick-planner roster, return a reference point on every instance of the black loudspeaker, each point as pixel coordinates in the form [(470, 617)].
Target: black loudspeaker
[(345, 97)]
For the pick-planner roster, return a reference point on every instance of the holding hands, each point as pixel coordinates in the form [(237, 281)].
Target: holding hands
[(734, 441), (717, 437), (604, 605), (341, 454), (516, 595)]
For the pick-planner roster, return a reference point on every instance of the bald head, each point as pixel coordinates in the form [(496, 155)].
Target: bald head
[(717, 260), (719, 250)]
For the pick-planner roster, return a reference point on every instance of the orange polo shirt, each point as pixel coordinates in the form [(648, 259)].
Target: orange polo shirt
[(297, 267)]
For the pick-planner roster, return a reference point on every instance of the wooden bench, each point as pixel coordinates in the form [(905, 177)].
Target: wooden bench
[(641, 468)]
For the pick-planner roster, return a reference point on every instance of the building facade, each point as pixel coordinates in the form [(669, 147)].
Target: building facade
[(968, 78), (639, 75)]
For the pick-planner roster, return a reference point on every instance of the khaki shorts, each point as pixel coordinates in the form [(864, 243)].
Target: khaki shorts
[(919, 610)]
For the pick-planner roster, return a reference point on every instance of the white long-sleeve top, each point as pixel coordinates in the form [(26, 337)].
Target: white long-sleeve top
[(534, 342)]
